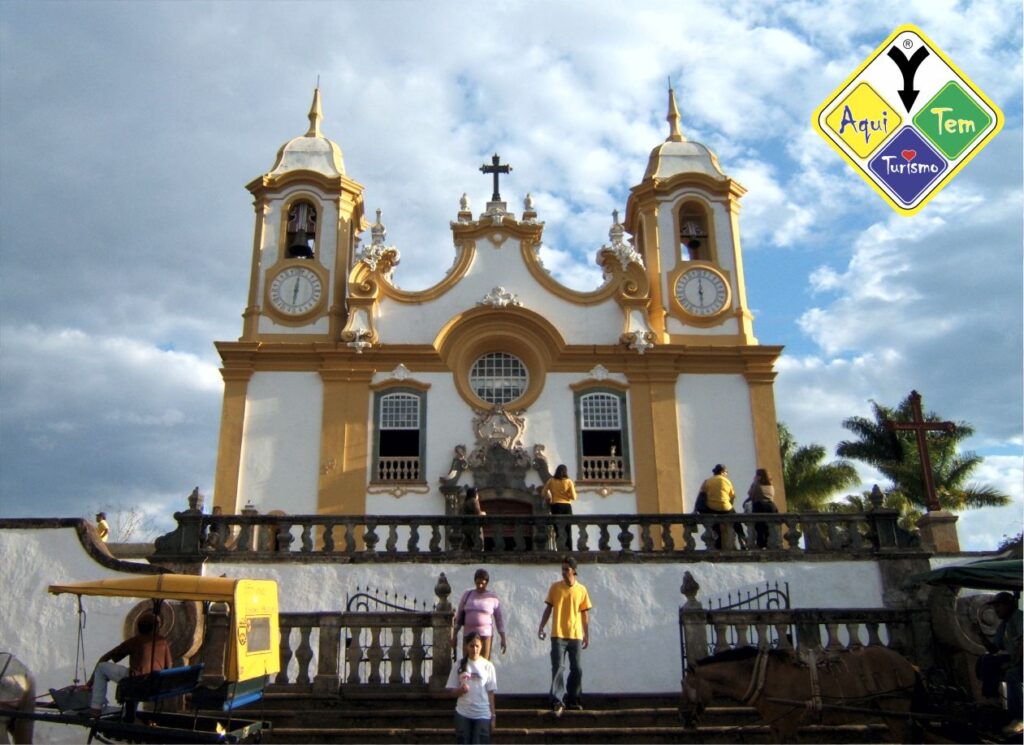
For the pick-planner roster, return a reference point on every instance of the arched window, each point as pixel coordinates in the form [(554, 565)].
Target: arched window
[(693, 234), (400, 417), (301, 230), (602, 436)]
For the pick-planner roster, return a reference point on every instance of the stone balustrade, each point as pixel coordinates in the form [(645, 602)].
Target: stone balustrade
[(323, 653), (526, 538)]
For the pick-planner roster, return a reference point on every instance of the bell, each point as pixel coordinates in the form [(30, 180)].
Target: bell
[(298, 245)]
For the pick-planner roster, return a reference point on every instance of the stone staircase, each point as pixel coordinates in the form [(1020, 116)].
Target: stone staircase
[(426, 718)]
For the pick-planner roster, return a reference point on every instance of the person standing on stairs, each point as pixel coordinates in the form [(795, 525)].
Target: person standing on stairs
[(473, 683), (568, 605)]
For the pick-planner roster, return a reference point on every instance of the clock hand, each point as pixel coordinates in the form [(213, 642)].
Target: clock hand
[(295, 292), (700, 290)]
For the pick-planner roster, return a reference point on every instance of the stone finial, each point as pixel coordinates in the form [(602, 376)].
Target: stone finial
[(876, 498), (195, 501), (442, 589), (465, 211), (316, 115), (690, 588)]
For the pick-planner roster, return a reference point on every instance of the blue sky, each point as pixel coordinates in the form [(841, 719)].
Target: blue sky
[(128, 131)]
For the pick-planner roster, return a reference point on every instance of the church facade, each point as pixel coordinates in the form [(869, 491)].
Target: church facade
[(347, 395)]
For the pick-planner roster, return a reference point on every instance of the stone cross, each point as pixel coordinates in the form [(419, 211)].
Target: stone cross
[(495, 169), (919, 426)]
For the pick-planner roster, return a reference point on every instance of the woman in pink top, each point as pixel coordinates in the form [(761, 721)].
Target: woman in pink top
[(479, 611)]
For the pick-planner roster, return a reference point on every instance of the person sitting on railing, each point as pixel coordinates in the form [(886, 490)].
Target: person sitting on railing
[(147, 652), (760, 500), (718, 500)]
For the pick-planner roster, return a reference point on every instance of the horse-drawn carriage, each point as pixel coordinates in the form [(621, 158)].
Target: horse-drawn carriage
[(793, 682), (237, 649)]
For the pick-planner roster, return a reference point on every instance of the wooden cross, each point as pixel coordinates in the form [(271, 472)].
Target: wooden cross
[(921, 428), (495, 169)]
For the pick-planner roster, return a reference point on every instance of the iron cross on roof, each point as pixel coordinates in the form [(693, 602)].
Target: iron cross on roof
[(921, 428), (495, 169)]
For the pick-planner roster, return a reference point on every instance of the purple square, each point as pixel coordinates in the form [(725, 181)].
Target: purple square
[(908, 165)]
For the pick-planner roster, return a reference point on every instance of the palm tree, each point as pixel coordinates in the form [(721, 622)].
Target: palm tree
[(810, 483), (895, 455), (861, 503)]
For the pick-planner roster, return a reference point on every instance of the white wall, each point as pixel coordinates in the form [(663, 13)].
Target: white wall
[(280, 459), (715, 427)]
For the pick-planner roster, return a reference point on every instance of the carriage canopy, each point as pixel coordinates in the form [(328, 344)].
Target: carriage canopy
[(252, 603)]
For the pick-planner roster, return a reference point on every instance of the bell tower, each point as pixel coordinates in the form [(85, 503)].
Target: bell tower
[(308, 216), (684, 218)]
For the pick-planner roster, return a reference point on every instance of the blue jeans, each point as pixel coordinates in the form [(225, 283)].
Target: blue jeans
[(469, 731), (566, 691)]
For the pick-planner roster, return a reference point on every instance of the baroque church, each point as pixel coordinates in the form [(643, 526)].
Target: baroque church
[(346, 395)]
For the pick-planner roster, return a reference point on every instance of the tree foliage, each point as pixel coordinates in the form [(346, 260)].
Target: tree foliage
[(810, 482), (895, 455)]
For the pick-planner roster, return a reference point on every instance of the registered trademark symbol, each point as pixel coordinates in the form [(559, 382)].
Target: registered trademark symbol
[(907, 43)]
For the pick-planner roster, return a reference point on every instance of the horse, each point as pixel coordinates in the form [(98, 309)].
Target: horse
[(839, 688), (18, 694)]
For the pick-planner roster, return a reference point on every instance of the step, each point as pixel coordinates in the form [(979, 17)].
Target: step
[(615, 735)]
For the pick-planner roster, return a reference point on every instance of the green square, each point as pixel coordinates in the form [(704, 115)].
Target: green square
[(952, 120)]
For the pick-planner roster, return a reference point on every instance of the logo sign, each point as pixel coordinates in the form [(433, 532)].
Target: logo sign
[(908, 120)]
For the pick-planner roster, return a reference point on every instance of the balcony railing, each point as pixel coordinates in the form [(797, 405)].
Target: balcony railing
[(405, 468), (372, 538), (603, 468)]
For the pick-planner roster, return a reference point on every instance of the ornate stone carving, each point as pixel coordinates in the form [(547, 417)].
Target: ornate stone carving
[(499, 427), (401, 372), (499, 297), (639, 341), (626, 253), (377, 255), (599, 372)]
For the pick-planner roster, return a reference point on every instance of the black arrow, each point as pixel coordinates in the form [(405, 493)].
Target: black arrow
[(908, 67)]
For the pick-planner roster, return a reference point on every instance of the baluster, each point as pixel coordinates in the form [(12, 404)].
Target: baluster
[(583, 544), (690, 535), (417, 654), (277, 537), (329, 538), (764, 640), (873, 639), (646, 542), (708, 536), (391, 545), (834, 643), (853, 631), (435, 538), (499, 537), (742, 634), (304, 655), (785, 640), (793, 534), (396, 656), (350, 537), (518, 540), (835, 537), (353, 654), (375, 654), (285, 653), (604, 540), (668, 543), (370, 537), (413, 546), (244, 542), (307, 538), (721, 636), (774, 535), (625, 537), (853, 531)]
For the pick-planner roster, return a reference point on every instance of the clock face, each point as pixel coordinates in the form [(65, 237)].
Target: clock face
[(296, 290), (701, 292)]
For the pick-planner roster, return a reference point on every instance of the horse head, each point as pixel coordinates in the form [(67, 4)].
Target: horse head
[(695, 699)]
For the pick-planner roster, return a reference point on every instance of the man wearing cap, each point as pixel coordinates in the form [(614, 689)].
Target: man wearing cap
[(147, 652), (720, 494), (1007, 648)]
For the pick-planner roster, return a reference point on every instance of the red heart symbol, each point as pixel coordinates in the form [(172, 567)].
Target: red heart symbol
[(909, 155)]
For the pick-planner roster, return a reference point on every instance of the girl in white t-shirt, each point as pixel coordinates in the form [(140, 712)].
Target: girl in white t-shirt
[(473, 683)]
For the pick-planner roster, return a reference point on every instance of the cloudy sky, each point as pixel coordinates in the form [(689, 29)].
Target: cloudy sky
[(128, 132)]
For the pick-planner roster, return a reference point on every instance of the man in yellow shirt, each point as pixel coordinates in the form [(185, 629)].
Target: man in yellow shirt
[(102, 526), (720, 494), (568, 605)]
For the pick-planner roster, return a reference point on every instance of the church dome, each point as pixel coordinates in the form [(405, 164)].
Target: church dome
[(676, 155), (310, 152), (672, 158)]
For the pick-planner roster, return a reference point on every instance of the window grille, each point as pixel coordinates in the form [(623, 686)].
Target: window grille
[(498, 378)]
